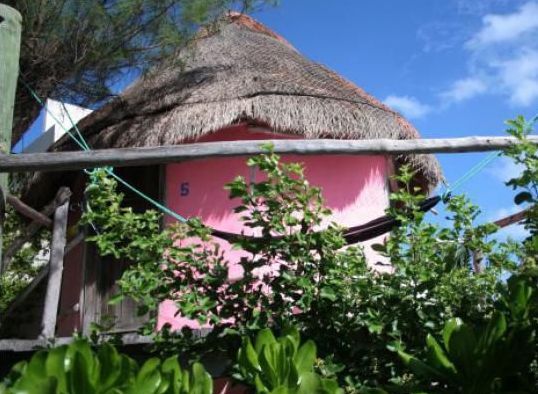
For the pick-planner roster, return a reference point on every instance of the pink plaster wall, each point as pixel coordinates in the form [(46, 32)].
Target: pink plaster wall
[(354, 187)]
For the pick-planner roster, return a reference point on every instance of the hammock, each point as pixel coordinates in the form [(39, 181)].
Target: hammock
[(352, 235)]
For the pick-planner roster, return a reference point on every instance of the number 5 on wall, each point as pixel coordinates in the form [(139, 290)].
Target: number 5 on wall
[(184, 189)]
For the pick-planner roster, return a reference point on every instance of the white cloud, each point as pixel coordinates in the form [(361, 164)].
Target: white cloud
[(463, 89), (519, 76), (505, 169), (503, 59), (498, 28), (439, 36), (408, 106)]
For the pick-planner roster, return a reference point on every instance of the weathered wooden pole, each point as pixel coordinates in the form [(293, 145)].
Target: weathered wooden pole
[(122, 157), (56, 267), (10, 42)]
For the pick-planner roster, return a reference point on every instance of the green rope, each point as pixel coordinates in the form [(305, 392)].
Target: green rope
[(157, 204), (481, 164), (82, 140), (475, 170), (84, 146)]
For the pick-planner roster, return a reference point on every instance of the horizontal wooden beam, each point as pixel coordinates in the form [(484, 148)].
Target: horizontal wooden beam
[(511, 219), (63, 161), (27, 345)]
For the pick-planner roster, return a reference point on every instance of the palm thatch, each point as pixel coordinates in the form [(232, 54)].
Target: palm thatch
[(243, 72)]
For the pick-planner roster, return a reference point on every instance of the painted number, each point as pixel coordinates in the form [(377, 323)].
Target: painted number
[(184, 189)]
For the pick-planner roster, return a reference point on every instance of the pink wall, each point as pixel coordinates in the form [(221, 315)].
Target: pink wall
[(354, 187)]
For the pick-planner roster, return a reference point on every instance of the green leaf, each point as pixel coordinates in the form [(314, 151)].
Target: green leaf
[(37, 365), (28, 385), (494, 331), (171, 376), (116, 299), (293, 334), (111, 367), (259, 385), (202, 381), (438, 358), (309, 383), (421, 368), (269, 365), (328, 293), (81, 347), (248, 359), (278, 390), (79, 375), (149, 378), (449, 327), (305, 357), (461, 348), (55, 366), (264, 337)]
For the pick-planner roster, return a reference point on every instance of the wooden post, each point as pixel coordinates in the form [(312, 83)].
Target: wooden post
[(10, 42), (56, 266)]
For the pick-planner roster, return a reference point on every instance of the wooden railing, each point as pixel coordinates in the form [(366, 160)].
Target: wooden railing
[(77, 160)]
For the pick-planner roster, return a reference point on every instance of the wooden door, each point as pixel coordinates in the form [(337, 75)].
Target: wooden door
[(103, 272)]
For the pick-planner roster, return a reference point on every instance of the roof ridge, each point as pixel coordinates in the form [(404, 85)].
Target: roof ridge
[(252, 24)]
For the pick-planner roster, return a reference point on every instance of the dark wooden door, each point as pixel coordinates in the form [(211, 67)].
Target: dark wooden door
[(103, 272)]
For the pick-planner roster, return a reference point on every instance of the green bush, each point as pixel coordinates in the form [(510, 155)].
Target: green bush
[(482, 360), (76, 368), (357, 316), (327, 291), (281, 366)]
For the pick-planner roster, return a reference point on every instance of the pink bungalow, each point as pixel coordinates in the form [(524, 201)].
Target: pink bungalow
[(240, 82)]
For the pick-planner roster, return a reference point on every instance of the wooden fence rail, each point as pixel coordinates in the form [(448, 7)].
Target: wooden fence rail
[(62, 161)]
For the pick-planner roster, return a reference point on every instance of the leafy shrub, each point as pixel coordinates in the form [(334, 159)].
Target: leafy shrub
[(76, 369), (312, 265), (327, 291), (357, 317), (25, 263), (281, 365), (475, 360)]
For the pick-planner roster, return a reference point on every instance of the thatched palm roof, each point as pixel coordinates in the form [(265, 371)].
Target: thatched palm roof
[(241, 72)]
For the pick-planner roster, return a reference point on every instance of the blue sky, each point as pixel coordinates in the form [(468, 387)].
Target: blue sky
[(453, 67)]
